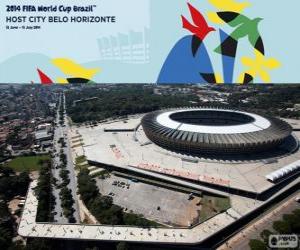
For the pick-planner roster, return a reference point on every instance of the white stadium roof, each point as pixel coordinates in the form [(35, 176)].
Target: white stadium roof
[(259, 123)]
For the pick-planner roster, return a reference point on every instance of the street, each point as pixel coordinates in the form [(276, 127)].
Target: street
[(61, 132), (70, 165)]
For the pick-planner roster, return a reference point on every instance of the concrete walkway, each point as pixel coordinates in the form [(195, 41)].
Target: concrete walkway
[(29, 228)]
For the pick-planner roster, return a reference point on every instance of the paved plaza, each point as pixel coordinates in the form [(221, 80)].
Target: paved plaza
[(122, 149), (155, 203)]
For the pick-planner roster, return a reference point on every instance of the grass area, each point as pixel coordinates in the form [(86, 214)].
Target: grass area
[(213, 205), (80, 167), (27, 163), (80, 159), (79, 163)]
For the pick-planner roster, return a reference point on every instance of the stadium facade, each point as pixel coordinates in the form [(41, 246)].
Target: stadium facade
[(205, 131)]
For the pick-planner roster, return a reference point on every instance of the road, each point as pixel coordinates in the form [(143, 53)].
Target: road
[(59, 132), (70, 164), (241, 240), (58, 215)]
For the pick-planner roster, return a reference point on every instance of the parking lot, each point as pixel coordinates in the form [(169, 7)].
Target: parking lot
[(154, 203)]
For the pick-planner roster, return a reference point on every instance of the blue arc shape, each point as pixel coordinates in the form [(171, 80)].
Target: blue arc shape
[(182, 67)]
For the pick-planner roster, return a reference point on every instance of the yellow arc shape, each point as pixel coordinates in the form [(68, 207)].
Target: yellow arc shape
[(214, 18), (72, 69), (225, 5), (229, 5), (61, 80)]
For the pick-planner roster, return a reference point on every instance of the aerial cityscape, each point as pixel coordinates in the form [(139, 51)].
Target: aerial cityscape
[(108, 166)]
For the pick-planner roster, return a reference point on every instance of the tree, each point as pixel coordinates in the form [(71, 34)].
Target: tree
[(6, 171), (67, 202), (265, 235), (39, 244), (257, 245), (296, 223), (122, 101), (6, 226), (122, 246), (44, 194), (87, 186), (23, 183), (112, 216), (11, 184), (282, 227)]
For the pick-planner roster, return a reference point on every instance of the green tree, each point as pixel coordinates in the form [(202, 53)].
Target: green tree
[(6, 226), (282, 227), (112, 216), (23, 183), (44, 193), (122, 246), (257, 245), (39, 244), (295, 224), (265, 234), (87, 186)]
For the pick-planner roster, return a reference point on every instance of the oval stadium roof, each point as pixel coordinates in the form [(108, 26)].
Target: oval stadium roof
[(214, 131)]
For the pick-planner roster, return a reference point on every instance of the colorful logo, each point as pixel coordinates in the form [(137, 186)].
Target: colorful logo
[(189, 61), (73, 73)]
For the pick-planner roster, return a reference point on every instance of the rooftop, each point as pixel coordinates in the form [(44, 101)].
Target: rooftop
[(42, 135), (258, 122)]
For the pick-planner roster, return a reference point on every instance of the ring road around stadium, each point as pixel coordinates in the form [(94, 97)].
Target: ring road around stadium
[(214, 131)]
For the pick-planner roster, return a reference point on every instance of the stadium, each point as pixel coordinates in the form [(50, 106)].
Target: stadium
[(160, 156), (209, 147), (204, 131)]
